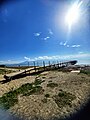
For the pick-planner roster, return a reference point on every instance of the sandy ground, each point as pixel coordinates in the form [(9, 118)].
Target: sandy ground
[(32, 106)]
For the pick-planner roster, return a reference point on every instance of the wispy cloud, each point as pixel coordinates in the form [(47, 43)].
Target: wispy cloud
[(75, 46), (59, 57), (64, 44), (37, 34), (46, 38), (1, 62), (80, 52), (10, 62), (29, 59), (67, 45), (50, 32), (61, 43)]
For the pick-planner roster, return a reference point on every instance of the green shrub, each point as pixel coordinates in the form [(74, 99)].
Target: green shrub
[(8, 99), (38, 81), (50, 81), (85, 72), (24, 88), (63, 98), (3, 71), (66, 70), (52, 85), (11, 98), (35, 90)]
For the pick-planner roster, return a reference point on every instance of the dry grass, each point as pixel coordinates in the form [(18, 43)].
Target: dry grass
[(11, 98), (64, 98), (46, 95), (3, 71)]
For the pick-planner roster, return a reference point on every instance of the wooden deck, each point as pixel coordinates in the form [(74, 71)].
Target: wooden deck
[(36, 69)]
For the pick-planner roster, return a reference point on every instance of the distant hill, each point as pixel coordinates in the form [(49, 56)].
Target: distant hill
[(31, 63)]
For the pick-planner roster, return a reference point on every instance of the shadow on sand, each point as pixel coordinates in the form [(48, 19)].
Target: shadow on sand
[(82, 114), (8, 79)]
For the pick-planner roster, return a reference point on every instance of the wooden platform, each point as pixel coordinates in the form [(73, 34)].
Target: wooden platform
[(36, 69)]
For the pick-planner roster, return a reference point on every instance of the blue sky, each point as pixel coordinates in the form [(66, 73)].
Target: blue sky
[(36, 30)]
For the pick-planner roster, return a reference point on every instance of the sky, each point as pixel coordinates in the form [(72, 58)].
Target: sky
[(37, 30)]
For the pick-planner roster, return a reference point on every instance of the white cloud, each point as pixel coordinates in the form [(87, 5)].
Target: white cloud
[(80, 52), (61, 43), (10, 62), (68, 46), (1, 62), (46, 38), (37, 34), (43, 58), (64, 44), (76, 56), (50, 32), (59, 57), (75, 46), (27, 58)]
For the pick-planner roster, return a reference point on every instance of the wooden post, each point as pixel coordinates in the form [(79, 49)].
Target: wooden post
[(5, 70), (19, 67), (37, 64), (54, 64), (57, 63), (25, 72), (28, 64), (34, 66), (60, 64), (49, 63), (44, 65)]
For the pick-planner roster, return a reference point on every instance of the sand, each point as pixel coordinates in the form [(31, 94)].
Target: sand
[(32, 106)]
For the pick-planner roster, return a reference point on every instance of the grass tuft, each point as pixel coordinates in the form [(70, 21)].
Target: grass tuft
[(47, 95), (35, 90), (11, 98), (63, 99), (3, 71), (8, 100), (44, 100), (52, 85), (38, 81), (87, 72)]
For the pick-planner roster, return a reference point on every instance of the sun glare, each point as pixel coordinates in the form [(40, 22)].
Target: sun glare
[(73, 14)]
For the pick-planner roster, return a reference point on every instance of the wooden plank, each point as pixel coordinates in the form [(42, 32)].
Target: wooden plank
[(20, 72), (36, 69)]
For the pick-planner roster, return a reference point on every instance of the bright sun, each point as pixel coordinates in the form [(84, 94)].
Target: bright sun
[(73, 14)]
